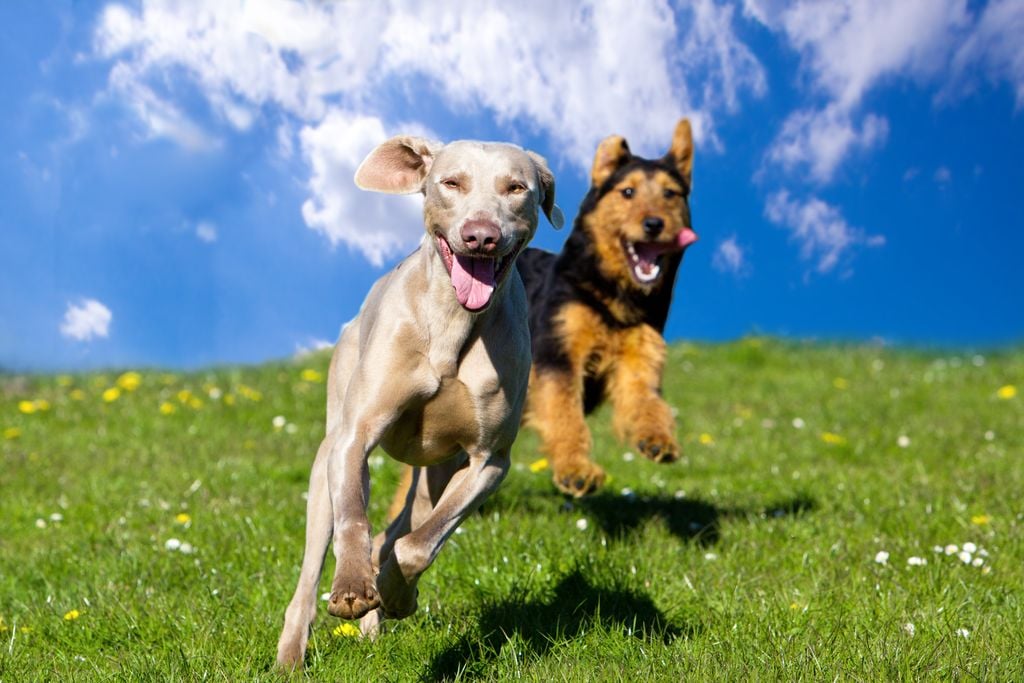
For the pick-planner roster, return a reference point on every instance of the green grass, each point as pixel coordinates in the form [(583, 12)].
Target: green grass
[(751, 558)]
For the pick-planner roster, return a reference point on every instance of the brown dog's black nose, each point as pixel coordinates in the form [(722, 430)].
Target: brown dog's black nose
[(481, 235), (653, 226)]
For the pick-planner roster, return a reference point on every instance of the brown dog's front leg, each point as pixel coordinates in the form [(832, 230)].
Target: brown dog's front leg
[(641, 415), (555, 410)]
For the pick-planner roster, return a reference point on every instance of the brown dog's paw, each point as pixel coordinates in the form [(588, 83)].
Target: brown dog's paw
[(658, 447), (579, 478), (352, 599)]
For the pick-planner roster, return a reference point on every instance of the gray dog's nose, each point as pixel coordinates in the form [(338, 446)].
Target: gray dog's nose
[(481, 235)]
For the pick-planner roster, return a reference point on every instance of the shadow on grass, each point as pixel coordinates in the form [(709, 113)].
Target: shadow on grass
[(576, 607), (688, 519)]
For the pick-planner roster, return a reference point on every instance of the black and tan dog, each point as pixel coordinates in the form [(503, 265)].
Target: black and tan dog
[(598, 309)]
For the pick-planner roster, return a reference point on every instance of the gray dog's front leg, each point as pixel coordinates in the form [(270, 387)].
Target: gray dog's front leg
[(412, 554)]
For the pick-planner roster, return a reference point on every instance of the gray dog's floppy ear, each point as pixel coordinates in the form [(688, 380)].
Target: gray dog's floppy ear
[(398, 165), (547, 184)]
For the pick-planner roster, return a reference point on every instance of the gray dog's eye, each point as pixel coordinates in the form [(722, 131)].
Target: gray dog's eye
[(516, 188)]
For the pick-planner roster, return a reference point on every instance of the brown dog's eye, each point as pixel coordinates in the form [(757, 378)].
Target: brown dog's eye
[(516, 188), (669, 194), (627, 192), (451, 184)]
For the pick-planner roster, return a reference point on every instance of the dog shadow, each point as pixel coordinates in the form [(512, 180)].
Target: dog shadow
[(536, 626)]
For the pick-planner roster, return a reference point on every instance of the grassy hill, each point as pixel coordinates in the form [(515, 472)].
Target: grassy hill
[(152, 526)]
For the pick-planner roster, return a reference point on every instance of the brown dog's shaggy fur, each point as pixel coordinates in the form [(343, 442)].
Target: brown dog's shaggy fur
[(597, 310)]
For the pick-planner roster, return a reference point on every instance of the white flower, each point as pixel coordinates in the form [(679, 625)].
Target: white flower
[(279, 421), (964, 556), (937, 549), (990, 435), (581, 524), (977, 562), (916, 561), (903, 441), (798, 423), (56, 517), (951, 549), (290, 428), (40, 523), (172, 544), (186, 548), (628, 456), (909, 628), (970, 547), (963, 633), (710, 556), (882, 557), (628, 493), (325, 597)]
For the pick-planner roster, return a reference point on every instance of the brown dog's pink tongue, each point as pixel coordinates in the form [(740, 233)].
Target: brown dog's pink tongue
[(473, 279)]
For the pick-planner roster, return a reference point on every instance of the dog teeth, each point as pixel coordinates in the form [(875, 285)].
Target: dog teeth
[(649, 276)]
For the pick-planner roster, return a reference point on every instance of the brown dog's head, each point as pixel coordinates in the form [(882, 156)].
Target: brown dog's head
[(482, 201), (637, 212)]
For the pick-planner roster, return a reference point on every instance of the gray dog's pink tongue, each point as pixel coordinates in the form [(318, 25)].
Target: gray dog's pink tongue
[(473, 279)]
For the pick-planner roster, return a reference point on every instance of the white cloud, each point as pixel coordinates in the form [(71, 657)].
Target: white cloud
[(312, 345), (377, 225), (536, 66), (86, 320), (731, 258), (819, 228), (849, 47), (943, 175), (206, 231), (820, 139), (997, 45)]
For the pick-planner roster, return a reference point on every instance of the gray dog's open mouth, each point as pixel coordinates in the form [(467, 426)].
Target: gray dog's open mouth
[(475, 277)]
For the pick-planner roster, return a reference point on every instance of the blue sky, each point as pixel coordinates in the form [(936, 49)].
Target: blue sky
[(178, 176)]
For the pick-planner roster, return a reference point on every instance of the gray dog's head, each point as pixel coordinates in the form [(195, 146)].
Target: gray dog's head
[(481, 208)]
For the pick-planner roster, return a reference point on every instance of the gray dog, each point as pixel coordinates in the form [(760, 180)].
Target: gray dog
[(434, 369)]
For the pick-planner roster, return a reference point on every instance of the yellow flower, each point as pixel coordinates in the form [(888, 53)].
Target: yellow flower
[(980, 520), (347, 630), (706, 439), (42, 405), (1007, 392), (249, 393), (184, 395), (12, 433), (183, 518), (72, 615), (112, 394), (64, 381), (539, 465), (167, 408), (311, 375), (77, 395), (27, 407), (168, 379), (229, 399), (840, 383), (3, 626), (129, 381), (794, 606), (833, 439), (195, 403)]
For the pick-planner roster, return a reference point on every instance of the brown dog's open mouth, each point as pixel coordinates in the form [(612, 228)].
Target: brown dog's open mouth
[(475, 277), (647, 259)]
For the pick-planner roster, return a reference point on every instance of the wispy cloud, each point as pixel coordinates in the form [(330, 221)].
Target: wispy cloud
[(819, 228), (730, 257), (206, 231), (86, 320)]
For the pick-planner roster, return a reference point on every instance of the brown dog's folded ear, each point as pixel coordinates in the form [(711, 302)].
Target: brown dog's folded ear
[(680, 154), (398, 165), (612, 153), (547, 184)]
